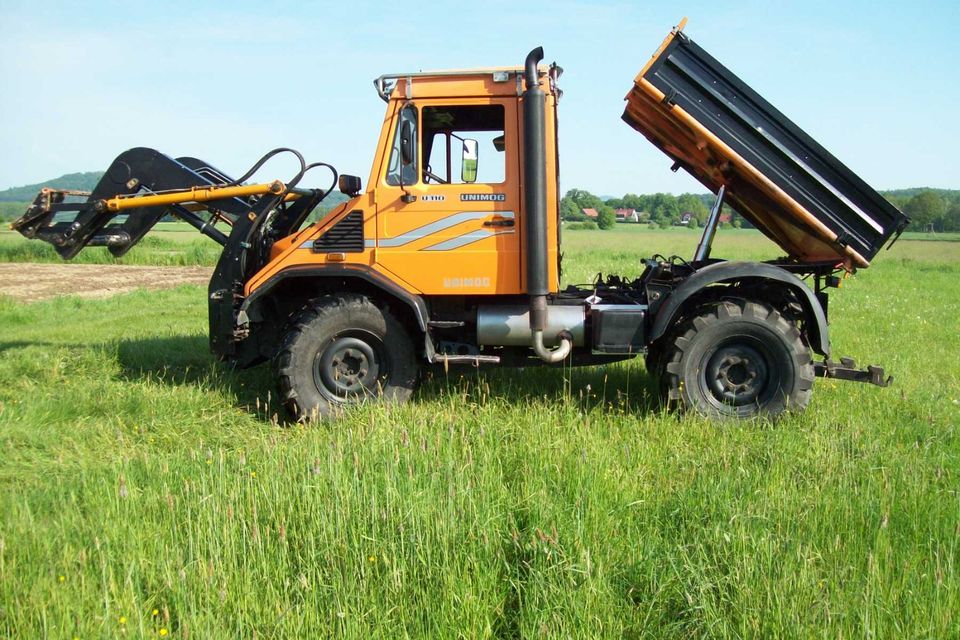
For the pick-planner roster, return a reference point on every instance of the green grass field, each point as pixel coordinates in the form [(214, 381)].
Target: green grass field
[(147, 491)]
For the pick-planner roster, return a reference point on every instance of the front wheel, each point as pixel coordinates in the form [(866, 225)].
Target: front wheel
[(738, 359), (341, 350)]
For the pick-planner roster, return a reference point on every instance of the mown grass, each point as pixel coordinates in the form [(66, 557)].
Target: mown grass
[(137, 475)]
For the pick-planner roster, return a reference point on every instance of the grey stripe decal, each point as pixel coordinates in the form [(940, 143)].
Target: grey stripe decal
[(465, 239), (439, 225), (429, 229)]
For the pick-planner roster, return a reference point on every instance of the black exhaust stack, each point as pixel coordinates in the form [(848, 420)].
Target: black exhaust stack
[(535, 208), (535, 191)]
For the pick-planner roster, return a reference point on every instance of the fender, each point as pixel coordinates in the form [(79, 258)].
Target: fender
[(732, 271), (414, 302), (248, 352)]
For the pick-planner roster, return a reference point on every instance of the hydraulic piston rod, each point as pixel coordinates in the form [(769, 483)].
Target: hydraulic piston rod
[(194, 194)]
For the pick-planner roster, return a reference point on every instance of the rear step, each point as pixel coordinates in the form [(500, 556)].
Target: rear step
[(140, 188)]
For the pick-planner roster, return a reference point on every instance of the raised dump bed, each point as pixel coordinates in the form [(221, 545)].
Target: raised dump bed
[(725, 134)]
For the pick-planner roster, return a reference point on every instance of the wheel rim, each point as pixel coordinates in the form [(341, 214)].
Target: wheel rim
[(350, 366), (740, 372)]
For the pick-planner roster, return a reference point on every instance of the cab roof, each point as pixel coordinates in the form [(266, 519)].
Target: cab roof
[(488, 81)]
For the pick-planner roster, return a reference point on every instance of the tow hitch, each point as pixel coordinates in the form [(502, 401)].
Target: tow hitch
[(847, 369)]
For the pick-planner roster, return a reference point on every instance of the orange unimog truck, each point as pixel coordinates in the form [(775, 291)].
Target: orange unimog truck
[(451, 255)]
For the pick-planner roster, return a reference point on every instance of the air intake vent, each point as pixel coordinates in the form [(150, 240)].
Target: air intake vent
[(345, 236)]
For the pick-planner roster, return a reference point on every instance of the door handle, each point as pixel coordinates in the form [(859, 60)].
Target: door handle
[(499, 222)]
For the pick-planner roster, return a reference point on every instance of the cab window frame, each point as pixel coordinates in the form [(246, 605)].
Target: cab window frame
[(451, 168), (392, 176)]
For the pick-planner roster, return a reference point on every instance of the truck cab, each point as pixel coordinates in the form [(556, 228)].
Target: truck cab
[(442, 211)]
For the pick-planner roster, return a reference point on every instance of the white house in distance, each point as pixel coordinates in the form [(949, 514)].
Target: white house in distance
[(623, 215)]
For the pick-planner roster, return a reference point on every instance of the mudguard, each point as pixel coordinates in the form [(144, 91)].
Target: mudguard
[(720, 272)]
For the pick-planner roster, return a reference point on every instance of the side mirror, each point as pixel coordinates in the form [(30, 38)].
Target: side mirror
[(349, 185), (468, 166), (407, 143)]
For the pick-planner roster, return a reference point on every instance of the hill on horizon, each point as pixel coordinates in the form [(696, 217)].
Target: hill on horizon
[(82, 181), (86, 181)]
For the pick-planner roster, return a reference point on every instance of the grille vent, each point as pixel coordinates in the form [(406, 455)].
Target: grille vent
[(345, 236)]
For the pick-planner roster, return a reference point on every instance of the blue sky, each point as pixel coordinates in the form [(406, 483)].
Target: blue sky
[(877, 83)]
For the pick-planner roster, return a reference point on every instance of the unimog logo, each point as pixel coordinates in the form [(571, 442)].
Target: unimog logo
[(483, 197), (464, 283)]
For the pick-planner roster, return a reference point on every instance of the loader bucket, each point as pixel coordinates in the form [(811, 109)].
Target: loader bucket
[(72, 220)]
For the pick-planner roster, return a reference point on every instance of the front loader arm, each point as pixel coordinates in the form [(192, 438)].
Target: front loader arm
[(142, 186)]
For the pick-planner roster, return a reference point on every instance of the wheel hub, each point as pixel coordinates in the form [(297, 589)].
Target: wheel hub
[(736, 374), (348, 366)]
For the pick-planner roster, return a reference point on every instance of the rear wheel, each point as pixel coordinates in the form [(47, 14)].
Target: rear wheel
[(739, 359), (342, 350)]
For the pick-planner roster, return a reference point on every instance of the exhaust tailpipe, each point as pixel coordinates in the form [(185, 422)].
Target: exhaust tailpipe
[(535, 208)]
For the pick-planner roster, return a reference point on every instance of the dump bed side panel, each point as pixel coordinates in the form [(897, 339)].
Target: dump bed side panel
[(788, 185)]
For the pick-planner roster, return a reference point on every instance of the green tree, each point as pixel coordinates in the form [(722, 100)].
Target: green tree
[(924, 209), (689, 203), (569, 210), (585, 199), (606, 218), (951, 219), (664, 208), (633, 201)]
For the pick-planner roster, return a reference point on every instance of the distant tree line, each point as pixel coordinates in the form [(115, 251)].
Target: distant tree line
[(929, 209), (935, 210), (657, 209)]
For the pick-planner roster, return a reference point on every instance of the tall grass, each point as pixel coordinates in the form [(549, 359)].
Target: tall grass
[(146, 489)]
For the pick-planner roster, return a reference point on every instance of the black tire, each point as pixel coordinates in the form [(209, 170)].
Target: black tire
[(737, 359), (341, 350), (653, 361)]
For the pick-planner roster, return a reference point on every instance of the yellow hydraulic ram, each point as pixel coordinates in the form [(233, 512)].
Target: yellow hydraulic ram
[(194, 194)]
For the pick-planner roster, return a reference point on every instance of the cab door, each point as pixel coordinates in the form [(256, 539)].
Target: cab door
[(448, 217)]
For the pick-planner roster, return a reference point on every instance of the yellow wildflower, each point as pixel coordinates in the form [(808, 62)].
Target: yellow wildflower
[(253, 474), (61, 578), (163, 632), (123, 620), (155, 613), (372, 559)]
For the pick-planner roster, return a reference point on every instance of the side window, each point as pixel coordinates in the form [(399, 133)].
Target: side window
[(397, 168), (448, 135)]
